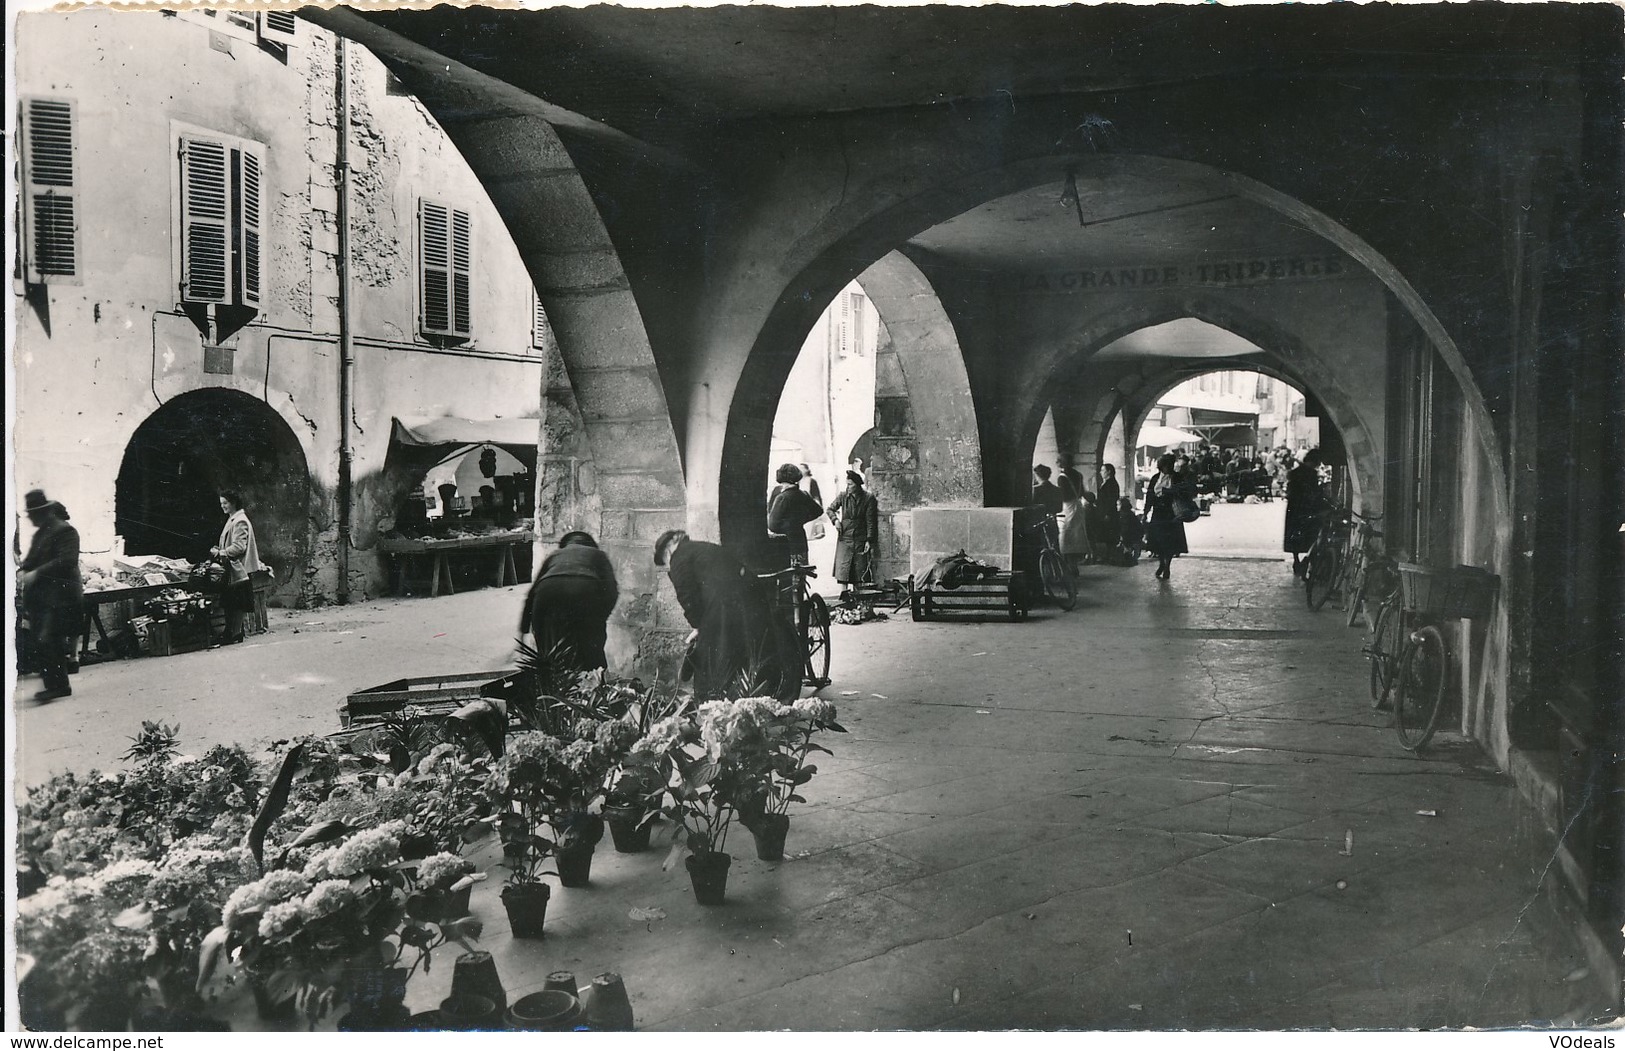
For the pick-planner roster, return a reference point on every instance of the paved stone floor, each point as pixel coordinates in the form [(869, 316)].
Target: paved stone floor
[(1170, 808)]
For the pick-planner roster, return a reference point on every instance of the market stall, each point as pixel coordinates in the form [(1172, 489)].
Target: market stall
[(412, 559), (156, 606)]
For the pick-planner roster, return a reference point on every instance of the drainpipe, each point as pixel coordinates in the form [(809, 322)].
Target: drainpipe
[(346, 340)]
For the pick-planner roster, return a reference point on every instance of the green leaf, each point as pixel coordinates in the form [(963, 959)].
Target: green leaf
[(796, 799), (802, 776), (276, 800)]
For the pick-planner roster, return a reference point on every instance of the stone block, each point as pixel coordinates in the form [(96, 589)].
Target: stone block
[(648, 525), (985, 533), (645, 444), (629, 393), (638, 489), (617, 525)]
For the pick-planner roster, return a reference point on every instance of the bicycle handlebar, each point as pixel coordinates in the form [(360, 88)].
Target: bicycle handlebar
[(800, 571)]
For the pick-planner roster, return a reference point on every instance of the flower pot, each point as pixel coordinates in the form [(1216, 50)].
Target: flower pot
[(563, 981), (549, 1011), (628, 829), (456, 902), (468, 1013), (527, 908), (608, 1009), (770, 831), (709, 874), (575, 865), (377, 990), (475, 974)]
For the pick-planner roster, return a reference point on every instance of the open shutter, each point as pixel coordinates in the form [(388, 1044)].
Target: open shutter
[(461, 276), (279, 27), (434, 262), (51, 213), (205, 222), (250, 196)]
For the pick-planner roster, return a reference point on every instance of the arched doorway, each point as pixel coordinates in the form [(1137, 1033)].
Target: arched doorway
[(196, 444)]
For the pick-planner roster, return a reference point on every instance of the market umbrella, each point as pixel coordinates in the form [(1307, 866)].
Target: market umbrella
[(1160, 437)]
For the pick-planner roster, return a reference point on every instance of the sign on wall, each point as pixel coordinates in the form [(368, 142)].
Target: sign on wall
[(1207, 274)]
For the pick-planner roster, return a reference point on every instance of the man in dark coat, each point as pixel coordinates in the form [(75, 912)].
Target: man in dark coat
[(856, 514), (52, 591), (1305, 503), (738, 644), (569, 605)]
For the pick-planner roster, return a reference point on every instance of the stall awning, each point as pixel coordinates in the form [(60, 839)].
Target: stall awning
[(454, 430), (1159, 437)]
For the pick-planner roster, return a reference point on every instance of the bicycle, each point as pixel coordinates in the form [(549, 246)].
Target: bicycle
[(1417, 680), (810, 615), (1369, 574), (1058, 583), (1323, 566)]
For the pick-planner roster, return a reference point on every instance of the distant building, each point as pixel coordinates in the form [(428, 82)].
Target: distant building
[(178, 294)]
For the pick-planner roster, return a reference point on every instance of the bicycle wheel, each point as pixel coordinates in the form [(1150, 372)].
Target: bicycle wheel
[(1418, 689), (1320, 578), (1057, 581), (815, 641), (1384, 653), (1352, 584)]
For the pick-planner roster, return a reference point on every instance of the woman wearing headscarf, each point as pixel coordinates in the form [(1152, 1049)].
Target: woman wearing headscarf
[(1164, 530), (240, 554), (789, 509), (736, 642), (52, 590), (856, 514), (568, 606)]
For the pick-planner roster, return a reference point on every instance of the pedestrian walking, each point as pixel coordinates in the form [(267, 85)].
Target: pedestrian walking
[(856, 514), (239, 553), (1305, 504), (1107, 531), (1164, 529), (737, 647), (1075, 546), (810, 485), (52, 591), (789, 509), (567, 609)]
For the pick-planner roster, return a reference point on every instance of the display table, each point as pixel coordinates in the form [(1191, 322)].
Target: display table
[(499, 547), (93, 601)]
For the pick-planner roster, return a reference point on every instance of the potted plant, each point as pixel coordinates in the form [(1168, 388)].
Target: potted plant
[(701, 782), (524, 852), (442, 887), (772, 761), (557, 780)]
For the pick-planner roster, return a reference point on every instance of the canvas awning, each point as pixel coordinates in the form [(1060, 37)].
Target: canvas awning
[(1159, 437), (425, 440)]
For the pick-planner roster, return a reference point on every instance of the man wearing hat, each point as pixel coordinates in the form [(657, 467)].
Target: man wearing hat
[(856, 514), (51, 591)]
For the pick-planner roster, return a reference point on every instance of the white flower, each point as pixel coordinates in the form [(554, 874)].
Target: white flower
[(326, 898), (282, 919), (816, 709), (442, 870)]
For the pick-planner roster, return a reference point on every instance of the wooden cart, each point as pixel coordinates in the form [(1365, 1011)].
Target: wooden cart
[(1004, 593), (432, 694)]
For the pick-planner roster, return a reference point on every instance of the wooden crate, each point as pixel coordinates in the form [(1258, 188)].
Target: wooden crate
[(1002, 595), (436, 694)]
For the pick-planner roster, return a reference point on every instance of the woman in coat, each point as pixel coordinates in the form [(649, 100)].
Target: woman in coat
[(52, 590), (1164, 531), (1107, 531), (238, 550), (1305, 503), (856, 514), (1075, 546), (569, 605), (789, 509), (737, 642)]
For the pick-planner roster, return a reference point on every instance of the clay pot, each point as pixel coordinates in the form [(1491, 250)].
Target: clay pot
[(770, 831), (709, 875), (549, 1011), (575, 865), (475, 974), (527, 908), (468, 1013), (628, 829), (608, 1008)]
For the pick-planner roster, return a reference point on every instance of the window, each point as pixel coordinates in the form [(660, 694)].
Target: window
[(50, 211), (222, 191), (445, 270)]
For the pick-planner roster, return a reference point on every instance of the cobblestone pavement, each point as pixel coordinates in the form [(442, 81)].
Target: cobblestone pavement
[(1170, 808)]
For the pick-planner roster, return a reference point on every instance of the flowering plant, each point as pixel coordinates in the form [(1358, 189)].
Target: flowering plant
[(301, 932)]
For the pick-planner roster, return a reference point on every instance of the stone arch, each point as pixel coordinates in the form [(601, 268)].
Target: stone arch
[(949, 452), (507, 138), (866, 226), (1288, 358), (198, 443)]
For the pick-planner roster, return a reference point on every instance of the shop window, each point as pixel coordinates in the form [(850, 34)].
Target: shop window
[(222, 194), (445, 271), (50, 212)]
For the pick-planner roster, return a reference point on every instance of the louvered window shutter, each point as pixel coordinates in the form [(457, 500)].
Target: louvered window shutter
[(280, 27), (435, 262), (205, 222), (51, 193), (462, 277), (250, 198)]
